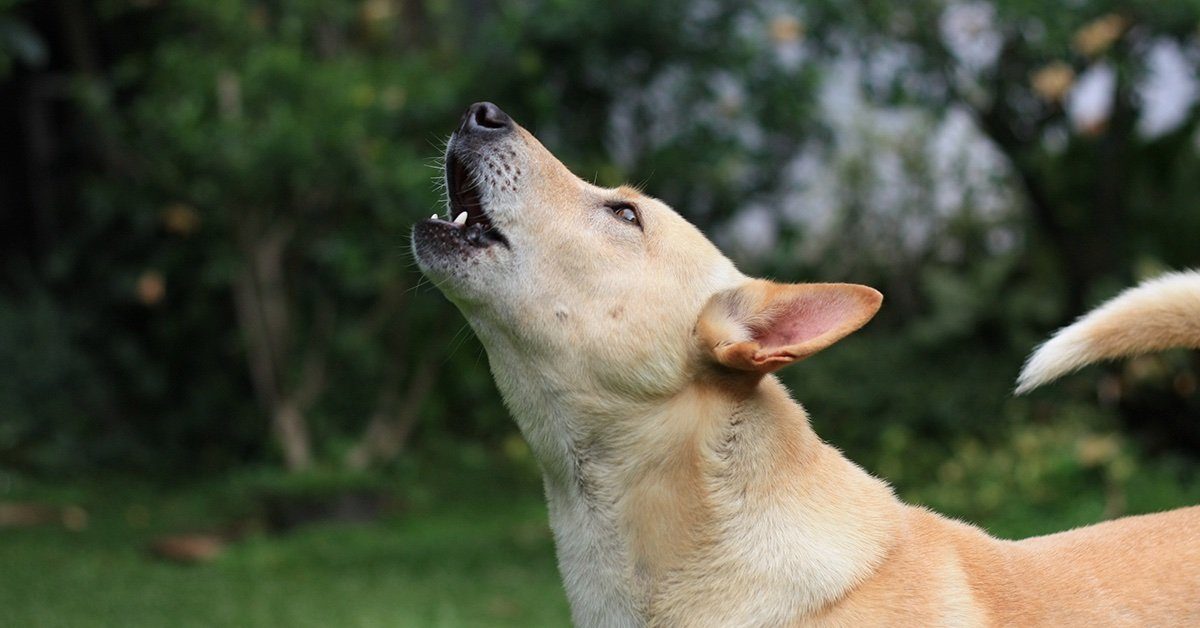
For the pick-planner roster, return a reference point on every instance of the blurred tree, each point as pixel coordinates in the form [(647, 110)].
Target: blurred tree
[(299, 153), (214, 200), (1093, 109), (1092, 106)]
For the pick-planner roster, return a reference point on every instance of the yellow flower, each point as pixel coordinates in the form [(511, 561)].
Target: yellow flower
[(1096, 450), (151, 287), (1052, 82), (1096, 36), (377, 10), (180, 219), (786, 29)]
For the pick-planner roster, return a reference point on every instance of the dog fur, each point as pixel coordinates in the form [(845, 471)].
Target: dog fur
[(686, 487), (1159, 314)]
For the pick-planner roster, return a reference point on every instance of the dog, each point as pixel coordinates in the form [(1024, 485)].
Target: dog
[(685, 486)]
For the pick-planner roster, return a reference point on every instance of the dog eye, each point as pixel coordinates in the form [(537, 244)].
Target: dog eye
[(626, 212)]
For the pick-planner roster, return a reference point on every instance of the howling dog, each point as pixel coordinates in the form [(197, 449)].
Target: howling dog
[(685, 486)]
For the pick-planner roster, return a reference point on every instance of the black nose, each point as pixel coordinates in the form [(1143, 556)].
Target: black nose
[(484, 117)]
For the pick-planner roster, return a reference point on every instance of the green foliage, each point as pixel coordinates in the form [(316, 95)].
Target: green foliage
[(38, 354), (20, 44), (236, 245)]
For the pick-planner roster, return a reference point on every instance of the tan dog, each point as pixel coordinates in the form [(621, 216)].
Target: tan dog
[(685, 486)]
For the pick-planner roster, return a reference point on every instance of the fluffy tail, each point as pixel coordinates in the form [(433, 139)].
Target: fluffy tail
[(1159, 314)]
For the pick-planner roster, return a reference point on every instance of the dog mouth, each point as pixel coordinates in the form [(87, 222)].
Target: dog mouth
[(467, 213)]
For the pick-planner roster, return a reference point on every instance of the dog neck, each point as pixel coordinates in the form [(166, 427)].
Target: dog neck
[(647, 504)]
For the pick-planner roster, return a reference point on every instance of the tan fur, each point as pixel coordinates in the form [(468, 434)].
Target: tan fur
[(687, 488), (1159, 314)]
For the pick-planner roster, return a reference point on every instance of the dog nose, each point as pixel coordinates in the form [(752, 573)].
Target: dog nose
[(484, 117)]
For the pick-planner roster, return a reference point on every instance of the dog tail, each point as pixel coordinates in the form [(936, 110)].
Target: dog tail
[(1162, 313)]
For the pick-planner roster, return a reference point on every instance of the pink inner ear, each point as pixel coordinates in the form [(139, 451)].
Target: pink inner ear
[(802, 320)]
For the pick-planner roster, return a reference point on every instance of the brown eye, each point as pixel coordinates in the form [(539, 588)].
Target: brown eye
[(626, 212)]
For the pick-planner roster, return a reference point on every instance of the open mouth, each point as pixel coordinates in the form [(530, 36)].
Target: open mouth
[(467, 213)]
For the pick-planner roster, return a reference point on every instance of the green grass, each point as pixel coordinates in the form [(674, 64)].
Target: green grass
[(472, 548), (457, 564)]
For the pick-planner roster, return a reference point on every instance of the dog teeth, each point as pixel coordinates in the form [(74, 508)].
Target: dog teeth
[(433, 217), (462, 219)]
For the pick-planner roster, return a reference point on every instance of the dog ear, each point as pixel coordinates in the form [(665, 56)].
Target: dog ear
[(762, 326)]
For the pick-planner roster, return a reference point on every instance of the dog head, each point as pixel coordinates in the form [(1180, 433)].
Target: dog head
[(595, 295)]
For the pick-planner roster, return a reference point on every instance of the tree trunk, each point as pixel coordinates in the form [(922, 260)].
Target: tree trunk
[(262, 312), (392, 421), (292, 432)]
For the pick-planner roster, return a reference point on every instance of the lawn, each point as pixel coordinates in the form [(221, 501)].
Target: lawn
[(470, 548), (488, 561)]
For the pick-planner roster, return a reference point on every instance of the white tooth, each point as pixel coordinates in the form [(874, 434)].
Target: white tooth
[(433, 217), (462, 219)]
